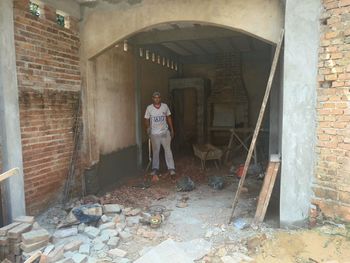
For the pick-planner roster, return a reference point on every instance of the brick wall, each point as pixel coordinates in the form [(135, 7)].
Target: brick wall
[(332, 180), (47, 57)]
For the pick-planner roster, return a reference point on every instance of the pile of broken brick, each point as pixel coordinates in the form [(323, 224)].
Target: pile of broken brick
[(20, 237), (76, 239)]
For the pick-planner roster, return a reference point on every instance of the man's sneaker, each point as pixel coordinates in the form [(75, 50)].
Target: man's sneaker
[(172, 174), (154, 172)]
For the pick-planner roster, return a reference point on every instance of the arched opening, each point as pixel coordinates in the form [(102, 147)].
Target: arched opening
[(213, 80)]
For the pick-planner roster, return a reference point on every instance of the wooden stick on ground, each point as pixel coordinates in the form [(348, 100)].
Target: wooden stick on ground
[(258, 124), (266, 190), (33, 257)]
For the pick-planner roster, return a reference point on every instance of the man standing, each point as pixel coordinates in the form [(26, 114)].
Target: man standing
[(158, 122)]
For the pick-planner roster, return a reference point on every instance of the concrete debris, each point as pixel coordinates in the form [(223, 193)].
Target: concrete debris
[(125, 236), (91, 232), (109, 225), (56, 255), (5, 229), (65, 232), (167, 251), (116, 252), (25, 219), (105, 219), (79, 258), (112, 209), (73, 245), (196, 248), (113, 242), (84, 249)]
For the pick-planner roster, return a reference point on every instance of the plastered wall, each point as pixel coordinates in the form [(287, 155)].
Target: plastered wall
[(115, 105)]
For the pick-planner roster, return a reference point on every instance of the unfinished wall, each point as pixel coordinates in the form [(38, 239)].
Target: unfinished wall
[(331, 185), (47, 57), (255, 69), (115, 100), (255, 72)]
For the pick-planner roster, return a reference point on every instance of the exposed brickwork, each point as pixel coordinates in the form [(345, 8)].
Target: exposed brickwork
[(332, 180), (47, 57)]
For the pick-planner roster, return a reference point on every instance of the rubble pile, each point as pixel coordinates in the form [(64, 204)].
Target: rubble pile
[(22, 236), (90, 233)]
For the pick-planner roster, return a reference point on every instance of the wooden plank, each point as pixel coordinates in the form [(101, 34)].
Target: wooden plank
[(266, 191), (34, 257), (8, 174), (258, 124)]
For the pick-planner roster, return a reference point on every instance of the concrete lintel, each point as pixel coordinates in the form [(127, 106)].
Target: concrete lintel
[(9, 115), (299, 109), (190, 33)]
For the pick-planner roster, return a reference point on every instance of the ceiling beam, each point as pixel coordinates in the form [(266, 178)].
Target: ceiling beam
[(190, 33)]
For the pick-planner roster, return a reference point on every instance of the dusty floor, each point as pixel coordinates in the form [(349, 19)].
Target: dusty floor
[(323, 244), (203, 213)]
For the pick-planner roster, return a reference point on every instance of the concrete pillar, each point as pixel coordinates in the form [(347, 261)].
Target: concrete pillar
[(9, 115), (299, 109)]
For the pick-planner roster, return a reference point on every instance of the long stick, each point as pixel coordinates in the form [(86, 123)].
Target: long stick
[(9, 173), (258, 123)]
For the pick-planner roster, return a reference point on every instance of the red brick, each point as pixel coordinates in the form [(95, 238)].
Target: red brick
[(45, 50)]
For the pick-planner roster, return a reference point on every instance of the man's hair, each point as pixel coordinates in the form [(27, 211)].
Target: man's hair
[(155, 94)]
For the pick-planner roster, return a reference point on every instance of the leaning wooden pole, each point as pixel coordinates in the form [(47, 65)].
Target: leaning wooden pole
[(258, 123)]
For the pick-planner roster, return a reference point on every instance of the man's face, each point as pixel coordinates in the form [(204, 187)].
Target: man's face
[(156, 99)]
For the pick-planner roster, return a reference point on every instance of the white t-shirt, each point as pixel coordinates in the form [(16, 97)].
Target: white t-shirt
[(158, 118)]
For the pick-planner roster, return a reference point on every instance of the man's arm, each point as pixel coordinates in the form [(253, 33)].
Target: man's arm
[(170, 123), (147, 126)]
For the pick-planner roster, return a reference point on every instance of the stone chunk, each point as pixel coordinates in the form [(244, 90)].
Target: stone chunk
[(48, 249), (134, 212), (16, 232), (133, 220), (84, 249), (110, 232), (33, 246), (125, 236), (98, 246), (5, 229), (112, 209), (103, 238), (35, 236), (113, 242), (56, 254), (91, 232), (79, 258), (104, 219), (3, 241), (116, 252), (65, 260), (65, 232), (73, 246), (109, 225), (25, 219)]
